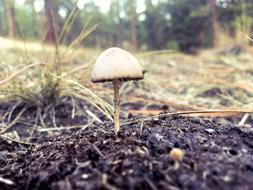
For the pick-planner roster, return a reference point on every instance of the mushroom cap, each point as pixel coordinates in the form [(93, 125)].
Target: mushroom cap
[(115, 63)]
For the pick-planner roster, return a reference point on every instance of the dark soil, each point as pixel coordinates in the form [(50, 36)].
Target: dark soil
[(216, 157)]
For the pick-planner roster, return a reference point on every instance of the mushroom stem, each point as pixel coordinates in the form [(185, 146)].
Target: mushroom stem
[(116, 85)]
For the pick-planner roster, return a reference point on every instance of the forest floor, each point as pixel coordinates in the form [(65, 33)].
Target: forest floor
[(65, 139)]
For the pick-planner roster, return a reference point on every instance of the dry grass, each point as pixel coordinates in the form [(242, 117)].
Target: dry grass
[(28, 76), (171, 77), (207, 81), (41, 79)]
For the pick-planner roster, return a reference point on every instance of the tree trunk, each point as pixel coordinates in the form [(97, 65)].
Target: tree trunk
[(11, 18), (134, 32), (119, 35), (1, 25), (214, 21), (133, 20), (50, 36)]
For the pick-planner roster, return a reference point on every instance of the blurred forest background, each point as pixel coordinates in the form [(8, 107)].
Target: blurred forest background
[(184, 25)]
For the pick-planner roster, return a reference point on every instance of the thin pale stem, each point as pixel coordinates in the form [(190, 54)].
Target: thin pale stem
[(116, 86)]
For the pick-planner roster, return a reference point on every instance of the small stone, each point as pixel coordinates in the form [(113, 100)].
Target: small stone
[(85, 176), (227, 178), (210, 130), (176, 154)]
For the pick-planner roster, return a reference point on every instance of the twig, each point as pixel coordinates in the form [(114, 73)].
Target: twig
[(60, 128), (6, 181), (12, 110), (249, 38), (186, 113), (17, 141), (35, 125), (19, 72), (53, 117), (106, 184), (41, 118), (150, 183), (4, 117), (97, 150), (73, 107), (93, 116), (16, 135), (244, 119), (77, 69), (14, 121)]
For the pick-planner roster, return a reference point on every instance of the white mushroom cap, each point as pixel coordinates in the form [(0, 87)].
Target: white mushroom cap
[(115, 63)]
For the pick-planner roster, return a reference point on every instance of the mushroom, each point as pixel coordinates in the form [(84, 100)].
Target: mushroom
[(177, 155), (116, 65)]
